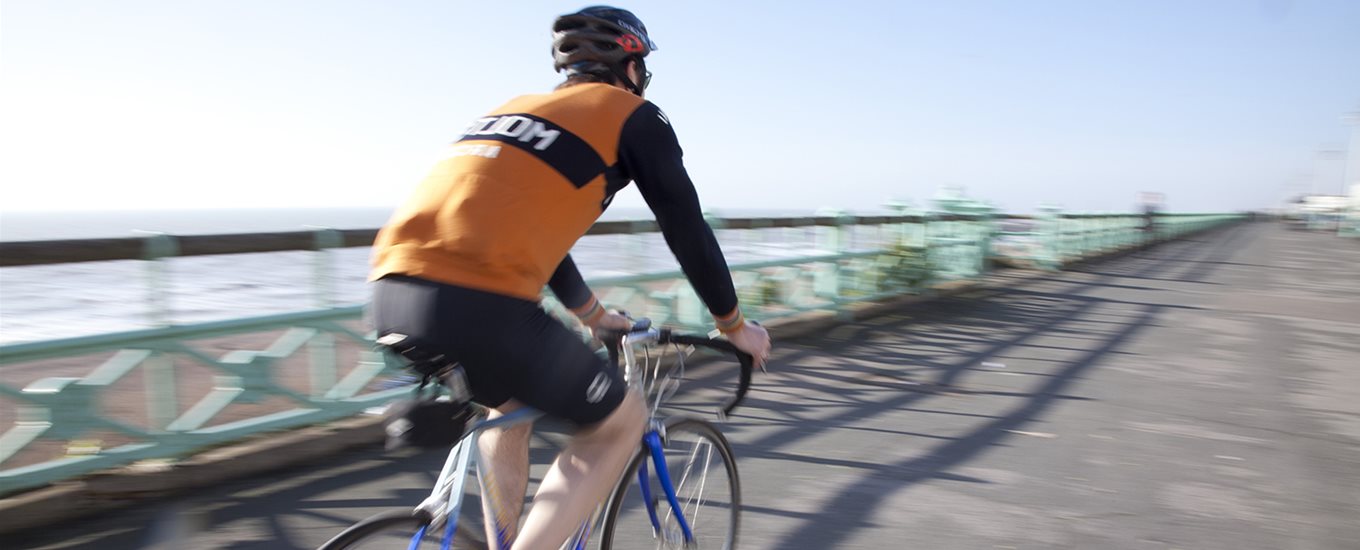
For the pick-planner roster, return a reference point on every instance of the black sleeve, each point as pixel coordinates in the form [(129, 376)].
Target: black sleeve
[(650, 154), (566, 283)]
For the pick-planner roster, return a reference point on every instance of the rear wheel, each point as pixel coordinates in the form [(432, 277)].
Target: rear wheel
[(407, 530), (703, 471)]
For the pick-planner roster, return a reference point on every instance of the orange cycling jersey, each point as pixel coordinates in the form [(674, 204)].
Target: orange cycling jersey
[(500, 211)]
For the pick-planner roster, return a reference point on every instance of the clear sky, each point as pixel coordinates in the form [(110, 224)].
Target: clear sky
[(1219, 104)]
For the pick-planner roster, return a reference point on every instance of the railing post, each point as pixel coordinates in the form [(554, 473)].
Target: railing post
[(323, 280), (981, 230), (913, 233), (833, 237), (930, 228), (758, 234), (896, 232), (914, 236), (759, 238), (162, 403), (1108, 225), (324, 362), (155, 248), (835, 240), (1110, 234), (1049, 225), (1087, 242)]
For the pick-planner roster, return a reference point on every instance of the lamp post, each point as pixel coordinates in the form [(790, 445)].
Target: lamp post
[(1350, 184), (1350, 173)]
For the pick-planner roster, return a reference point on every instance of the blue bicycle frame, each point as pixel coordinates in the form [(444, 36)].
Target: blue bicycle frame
[(447, 499), (466, 455)]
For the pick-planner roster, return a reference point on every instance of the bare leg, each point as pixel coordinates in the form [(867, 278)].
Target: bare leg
[(505, 474), (582, 476)]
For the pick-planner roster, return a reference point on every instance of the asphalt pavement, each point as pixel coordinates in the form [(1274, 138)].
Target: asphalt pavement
[(1201, 395)]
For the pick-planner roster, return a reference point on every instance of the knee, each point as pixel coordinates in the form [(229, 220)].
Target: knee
[(626, 421)]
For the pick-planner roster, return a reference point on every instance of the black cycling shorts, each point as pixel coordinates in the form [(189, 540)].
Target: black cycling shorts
[(510, 347)]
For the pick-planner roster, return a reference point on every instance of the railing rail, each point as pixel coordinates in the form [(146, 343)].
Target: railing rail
[(46, 252), (74, 405)]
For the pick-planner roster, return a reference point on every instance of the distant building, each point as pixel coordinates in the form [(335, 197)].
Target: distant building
[(1350, 223), (1325, 212)]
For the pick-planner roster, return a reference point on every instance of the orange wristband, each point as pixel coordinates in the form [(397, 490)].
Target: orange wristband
[(590, 312), (731, 324)]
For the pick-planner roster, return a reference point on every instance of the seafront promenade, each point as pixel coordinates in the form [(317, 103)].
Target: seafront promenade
[(1198, 394), (156, 395)]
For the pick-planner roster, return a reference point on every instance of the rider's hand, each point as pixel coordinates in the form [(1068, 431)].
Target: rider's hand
[(611, 320), (595, 317), (753, 339)]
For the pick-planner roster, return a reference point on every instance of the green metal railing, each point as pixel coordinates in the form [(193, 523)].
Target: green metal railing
[(1070, 237), (211, 383), (1349, 225), (72, 409)]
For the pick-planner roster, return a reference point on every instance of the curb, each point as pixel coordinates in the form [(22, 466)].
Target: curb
[(264, 453)]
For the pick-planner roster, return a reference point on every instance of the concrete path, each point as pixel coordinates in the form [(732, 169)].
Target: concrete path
[(1205, 395)]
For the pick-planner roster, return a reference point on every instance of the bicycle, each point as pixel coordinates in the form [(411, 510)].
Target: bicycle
[(680, 445)]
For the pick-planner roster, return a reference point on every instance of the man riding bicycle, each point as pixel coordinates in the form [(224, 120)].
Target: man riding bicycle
[(461, 265)]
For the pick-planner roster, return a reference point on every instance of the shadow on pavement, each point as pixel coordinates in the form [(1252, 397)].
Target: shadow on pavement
[(894, 363)]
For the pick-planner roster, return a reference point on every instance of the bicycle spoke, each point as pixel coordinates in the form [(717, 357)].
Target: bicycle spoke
[(694, 498), (698, 501)]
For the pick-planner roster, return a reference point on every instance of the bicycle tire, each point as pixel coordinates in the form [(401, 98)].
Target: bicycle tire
[(395, 530), (626, 522)]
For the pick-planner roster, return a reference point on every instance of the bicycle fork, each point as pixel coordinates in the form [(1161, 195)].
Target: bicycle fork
[(652, 439)]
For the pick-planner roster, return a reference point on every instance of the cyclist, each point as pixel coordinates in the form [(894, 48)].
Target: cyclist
[(1150, 205), (461, 265)]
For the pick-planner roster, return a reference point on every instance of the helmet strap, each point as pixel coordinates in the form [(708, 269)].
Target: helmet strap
[(621, 71)]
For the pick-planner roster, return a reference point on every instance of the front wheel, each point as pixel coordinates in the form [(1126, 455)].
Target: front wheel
[(398, 530), (703, 471)]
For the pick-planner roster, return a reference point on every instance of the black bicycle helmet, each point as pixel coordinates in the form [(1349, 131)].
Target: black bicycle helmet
[(600, 39)]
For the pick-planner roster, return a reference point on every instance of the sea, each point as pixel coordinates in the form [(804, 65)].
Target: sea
[(79, 299)]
